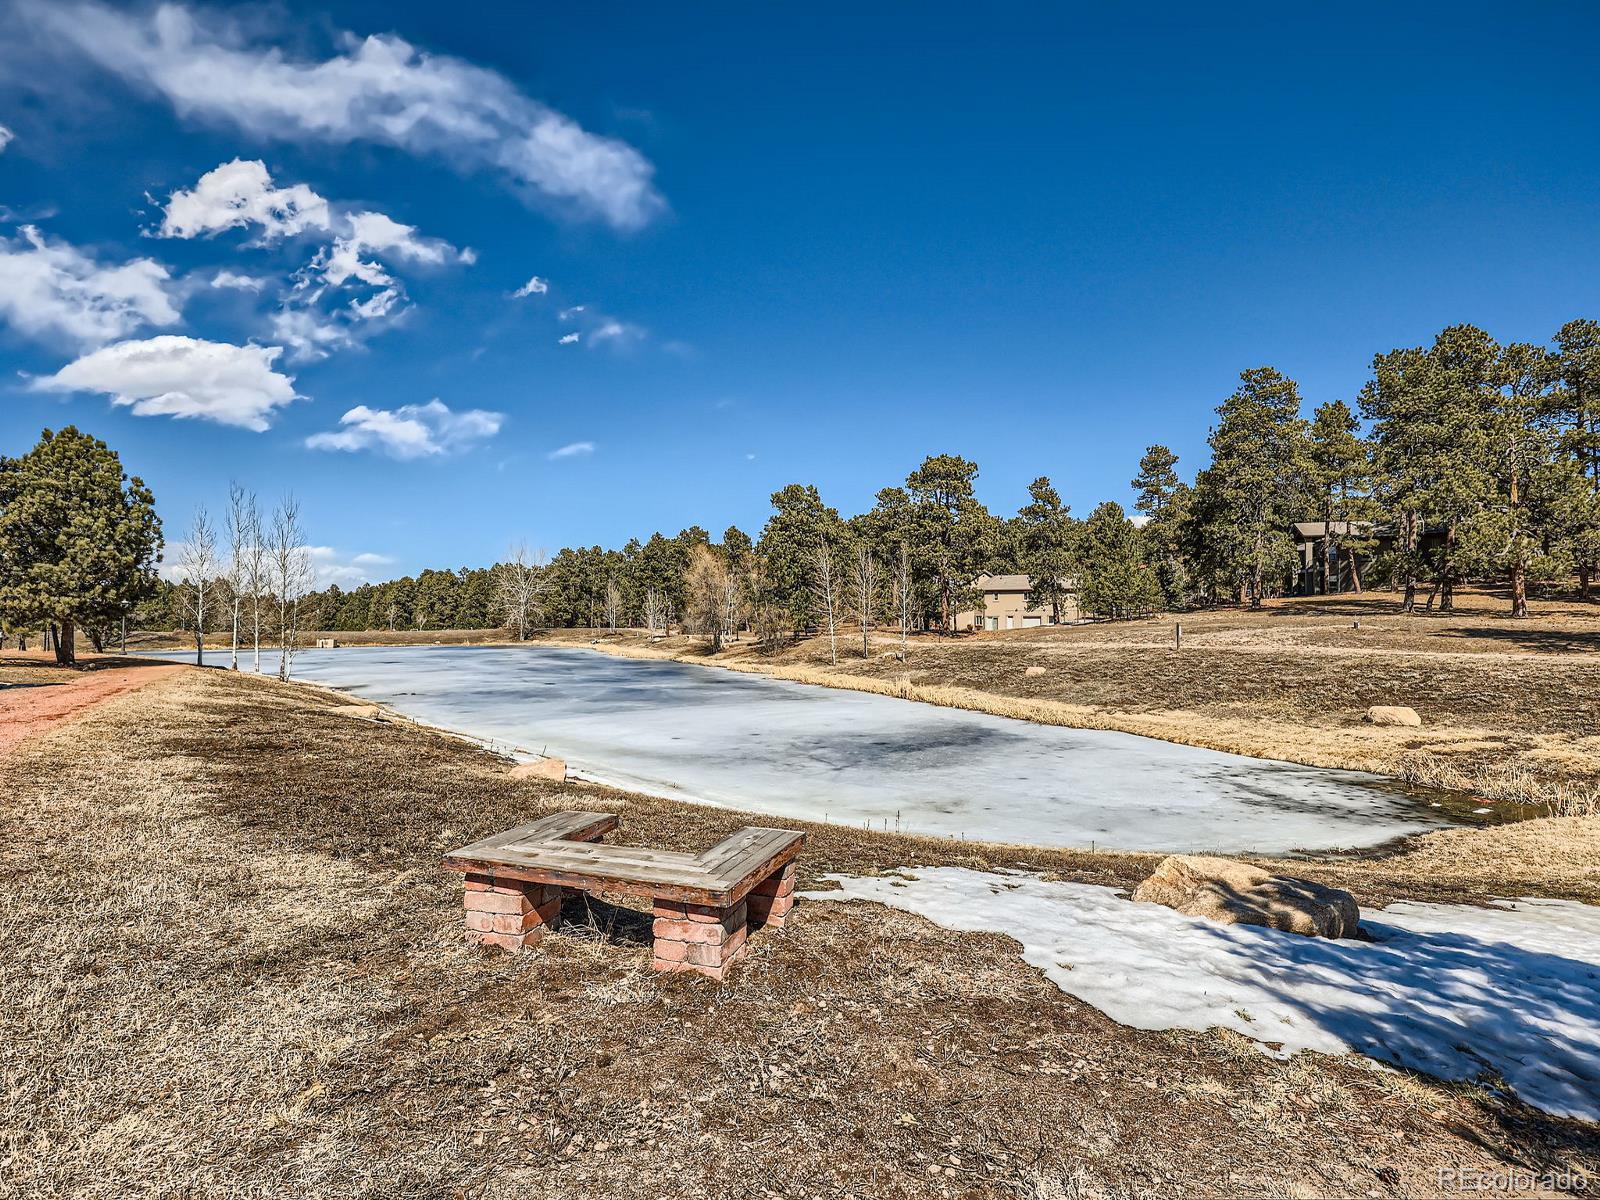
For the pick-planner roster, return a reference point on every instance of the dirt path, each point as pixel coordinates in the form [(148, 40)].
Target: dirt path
[(27, 709)]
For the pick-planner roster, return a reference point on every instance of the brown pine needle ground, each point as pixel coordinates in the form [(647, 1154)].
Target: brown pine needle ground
[(232, 966)]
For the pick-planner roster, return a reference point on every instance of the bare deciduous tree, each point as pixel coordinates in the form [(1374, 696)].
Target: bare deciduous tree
[(714, 594), (613, 603), (825, 587), (244, 536), (255, 572), (904, 596), (655, 612), (200, 569), (864, 584), (289, 569), (520, 581)]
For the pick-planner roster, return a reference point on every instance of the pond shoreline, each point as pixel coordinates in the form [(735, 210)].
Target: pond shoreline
[(754, 741)]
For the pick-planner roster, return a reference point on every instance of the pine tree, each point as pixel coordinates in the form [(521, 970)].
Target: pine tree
[(1047, 550), (953, 537), (1340, 476), (1255, 483), (1165, 500), (1117, 581), (787, 551), (78, 537), (1575, 409)]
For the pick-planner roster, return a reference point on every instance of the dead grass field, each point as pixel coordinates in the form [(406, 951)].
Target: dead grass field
[(1511, 708), (233, 967)]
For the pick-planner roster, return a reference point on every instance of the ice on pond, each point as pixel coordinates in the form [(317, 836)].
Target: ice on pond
[(1450, 990), (823, 754)]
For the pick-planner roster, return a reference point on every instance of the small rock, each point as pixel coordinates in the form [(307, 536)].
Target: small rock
[(1034, 671), (1392, 714), (541, 768), (1235, 893)]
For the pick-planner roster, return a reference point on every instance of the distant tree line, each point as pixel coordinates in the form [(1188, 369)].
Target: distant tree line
[(1461, 460)]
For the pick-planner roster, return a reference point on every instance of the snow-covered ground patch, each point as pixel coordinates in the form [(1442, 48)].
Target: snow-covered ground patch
[(1451, 990)]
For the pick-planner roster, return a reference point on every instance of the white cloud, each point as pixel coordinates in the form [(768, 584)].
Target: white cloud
[(52, 289), (599, 328), (333, 566), (372, 231), (410, 431), (568, 339), (237, 282), (377, 89), (329, 565), (617, 333), (572, 450), (183, 377), (534, 287), (309, 334), (6, 138), (239, 194)]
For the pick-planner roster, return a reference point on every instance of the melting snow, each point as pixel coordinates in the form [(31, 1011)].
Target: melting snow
[(823, 754), (1447, 989)]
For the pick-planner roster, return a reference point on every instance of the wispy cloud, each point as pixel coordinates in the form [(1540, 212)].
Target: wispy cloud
[(379, 89), (331, 565), (314, 319), (410, 431), (52, 290), (176, 376), (572, 450), (568, 339), (599, 329), (6, 138), (234, 281), (534, 287)]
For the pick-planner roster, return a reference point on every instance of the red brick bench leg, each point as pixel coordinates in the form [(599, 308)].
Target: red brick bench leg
[(772, 898), (509, 913), (695, 937)]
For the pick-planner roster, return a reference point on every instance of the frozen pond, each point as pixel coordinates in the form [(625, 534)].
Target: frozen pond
[(821, 754)]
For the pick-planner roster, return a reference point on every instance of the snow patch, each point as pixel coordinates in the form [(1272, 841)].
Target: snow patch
[(1451, 990)]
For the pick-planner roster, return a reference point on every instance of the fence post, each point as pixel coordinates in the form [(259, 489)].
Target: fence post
[(1177, 635)]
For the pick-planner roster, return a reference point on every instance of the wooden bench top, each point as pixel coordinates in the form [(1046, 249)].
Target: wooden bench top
[(557, 850)]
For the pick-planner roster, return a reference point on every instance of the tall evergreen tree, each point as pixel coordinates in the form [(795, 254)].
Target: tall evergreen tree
[(1339, 479), (1575, 407), (953, 537), (1165, 500), (1117, 581), (789, 540), (78, 537), (1255, 484), (1048, 548)]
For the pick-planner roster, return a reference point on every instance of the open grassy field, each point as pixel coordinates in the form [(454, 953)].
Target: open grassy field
[(233, 966)]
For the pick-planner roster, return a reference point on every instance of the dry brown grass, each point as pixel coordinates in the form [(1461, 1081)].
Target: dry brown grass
[(1512, 708), (232, 966)]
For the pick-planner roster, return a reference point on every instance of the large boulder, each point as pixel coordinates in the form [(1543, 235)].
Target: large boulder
[(541, 768), (1235, 893), (1392, 714)]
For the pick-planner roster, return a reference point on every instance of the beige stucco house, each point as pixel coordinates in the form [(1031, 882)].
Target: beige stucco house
[(1005, 605)]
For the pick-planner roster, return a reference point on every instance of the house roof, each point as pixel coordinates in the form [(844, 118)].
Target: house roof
[(1307, 531), (1004, 583)]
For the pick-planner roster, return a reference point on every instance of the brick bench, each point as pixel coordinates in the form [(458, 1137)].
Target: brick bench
[(704, 903)]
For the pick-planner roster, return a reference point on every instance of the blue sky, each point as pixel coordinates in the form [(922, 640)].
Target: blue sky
[(796, 243)]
